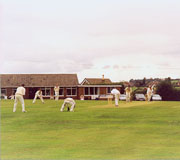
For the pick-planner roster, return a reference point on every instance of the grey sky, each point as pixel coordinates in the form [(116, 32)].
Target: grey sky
[(120, 39)]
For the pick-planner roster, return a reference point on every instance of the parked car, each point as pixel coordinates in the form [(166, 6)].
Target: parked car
[(156, 97), (140, 97), (122, 97)]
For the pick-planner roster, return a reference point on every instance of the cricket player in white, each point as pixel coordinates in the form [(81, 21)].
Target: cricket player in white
[(116, 93), (38, 94), (149, 93), (20, 92), (68, 101), (152, 88), (128, 93), (56, 90)]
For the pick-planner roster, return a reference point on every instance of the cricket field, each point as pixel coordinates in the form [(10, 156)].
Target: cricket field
[(95, 131)]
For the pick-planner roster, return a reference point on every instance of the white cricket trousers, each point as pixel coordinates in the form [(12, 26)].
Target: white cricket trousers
[(64, 104), (128, 97), (56, 96), (117, 99), (21, 99), (149, 97), (41, 98)]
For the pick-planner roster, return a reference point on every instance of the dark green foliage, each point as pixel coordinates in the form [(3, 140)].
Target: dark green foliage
[(176, 95), (167, 91), (144, 81)]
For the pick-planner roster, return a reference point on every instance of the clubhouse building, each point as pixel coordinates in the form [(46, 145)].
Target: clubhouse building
[(89, 88)]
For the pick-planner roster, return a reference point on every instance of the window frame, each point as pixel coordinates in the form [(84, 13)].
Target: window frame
[(5, 89), (89, 91), (61, 88), (71, 90), (44, 90)]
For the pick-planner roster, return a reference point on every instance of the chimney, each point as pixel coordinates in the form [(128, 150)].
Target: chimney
[(103, 77)]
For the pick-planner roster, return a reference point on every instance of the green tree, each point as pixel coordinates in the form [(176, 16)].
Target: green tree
[(166, 90), (144, 81)]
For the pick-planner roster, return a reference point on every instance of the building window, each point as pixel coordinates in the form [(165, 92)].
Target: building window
[(86, 91), (13, 91), (91, 90), (109, 89), (61, 91), (46, 91), (71, 91), (3, 91)]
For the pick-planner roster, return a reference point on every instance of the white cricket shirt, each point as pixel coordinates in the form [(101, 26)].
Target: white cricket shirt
[(21, 91), (115, 91)]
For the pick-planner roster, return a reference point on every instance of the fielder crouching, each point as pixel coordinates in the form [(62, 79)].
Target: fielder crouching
[(67, 102)]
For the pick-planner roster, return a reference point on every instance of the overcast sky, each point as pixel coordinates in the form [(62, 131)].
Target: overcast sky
[(121, 39)]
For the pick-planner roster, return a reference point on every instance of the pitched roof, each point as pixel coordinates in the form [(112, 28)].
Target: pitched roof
[(38, 80), (91, 81)]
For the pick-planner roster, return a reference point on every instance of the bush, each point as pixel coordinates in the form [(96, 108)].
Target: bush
[(176, 95), (166, 90)]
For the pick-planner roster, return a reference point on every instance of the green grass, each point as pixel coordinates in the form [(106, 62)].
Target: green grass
[(138, 130)]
